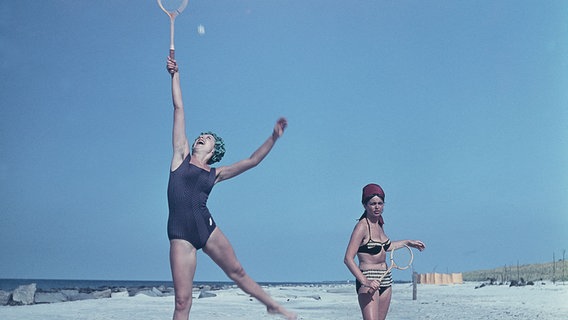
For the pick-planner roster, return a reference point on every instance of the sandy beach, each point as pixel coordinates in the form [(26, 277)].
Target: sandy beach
[(319, 302)]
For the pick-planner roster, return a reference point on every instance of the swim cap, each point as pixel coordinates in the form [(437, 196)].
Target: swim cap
[(219, 148), (372, 190)]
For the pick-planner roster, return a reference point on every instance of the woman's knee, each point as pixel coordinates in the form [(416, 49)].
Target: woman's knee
[(183, 302), (236, 272)]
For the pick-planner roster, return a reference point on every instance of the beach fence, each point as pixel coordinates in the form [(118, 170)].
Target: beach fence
[(440, 278)]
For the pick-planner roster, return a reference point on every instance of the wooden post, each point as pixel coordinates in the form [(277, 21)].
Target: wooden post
[(563, 261), (414, 280), (553, 268)]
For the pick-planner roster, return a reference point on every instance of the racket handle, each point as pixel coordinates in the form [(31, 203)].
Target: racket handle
[(172, 52), (380, 280)]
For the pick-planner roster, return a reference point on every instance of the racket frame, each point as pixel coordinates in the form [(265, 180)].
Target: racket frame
[(394, 265)]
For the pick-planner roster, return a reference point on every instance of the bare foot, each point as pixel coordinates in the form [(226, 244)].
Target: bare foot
[(285, 313)]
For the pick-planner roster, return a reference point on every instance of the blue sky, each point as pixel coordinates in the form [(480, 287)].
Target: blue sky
[(459, 109)]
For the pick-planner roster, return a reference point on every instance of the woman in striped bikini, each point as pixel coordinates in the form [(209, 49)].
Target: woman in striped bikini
[(370, 244)]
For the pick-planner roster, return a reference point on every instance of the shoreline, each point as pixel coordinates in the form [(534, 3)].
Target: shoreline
[(50, 284), (22, 292)]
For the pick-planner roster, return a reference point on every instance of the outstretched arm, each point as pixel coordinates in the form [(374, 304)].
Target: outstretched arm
[(411, 243), (227, 172), (179, 138)]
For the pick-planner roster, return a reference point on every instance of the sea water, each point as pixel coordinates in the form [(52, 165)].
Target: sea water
[(50, 284)]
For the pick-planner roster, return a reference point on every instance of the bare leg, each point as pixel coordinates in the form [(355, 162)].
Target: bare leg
[(384, 303), (375, 306), (369, 304), (221, 252), (183, 260)]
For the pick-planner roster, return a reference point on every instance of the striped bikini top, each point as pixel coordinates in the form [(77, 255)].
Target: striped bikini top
[(373, 247)]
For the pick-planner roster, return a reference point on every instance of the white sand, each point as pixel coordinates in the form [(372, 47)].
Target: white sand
[(336, 302)]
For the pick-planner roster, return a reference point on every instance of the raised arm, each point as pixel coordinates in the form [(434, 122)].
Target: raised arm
[(179, 139), (227, 172)]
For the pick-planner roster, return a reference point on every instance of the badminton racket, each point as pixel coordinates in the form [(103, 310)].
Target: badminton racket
[(172, 8)]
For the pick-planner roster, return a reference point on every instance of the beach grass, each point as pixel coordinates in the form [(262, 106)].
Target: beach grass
[(555, 271)]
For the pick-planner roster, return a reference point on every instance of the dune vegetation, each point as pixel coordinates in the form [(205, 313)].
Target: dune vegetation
[(555, 271)]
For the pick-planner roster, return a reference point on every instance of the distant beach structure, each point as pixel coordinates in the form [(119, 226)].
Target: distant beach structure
[(440, 278)]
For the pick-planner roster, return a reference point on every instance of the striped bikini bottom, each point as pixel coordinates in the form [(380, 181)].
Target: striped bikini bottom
[(376, 275)]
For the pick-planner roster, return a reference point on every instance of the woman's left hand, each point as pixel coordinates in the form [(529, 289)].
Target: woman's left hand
[(279, 127), (416, 244)]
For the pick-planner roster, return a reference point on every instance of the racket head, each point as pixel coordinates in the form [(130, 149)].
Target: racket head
[(173, 7), (403, 258)]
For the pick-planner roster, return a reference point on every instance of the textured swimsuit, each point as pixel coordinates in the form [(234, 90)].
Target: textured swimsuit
[(188, 190)]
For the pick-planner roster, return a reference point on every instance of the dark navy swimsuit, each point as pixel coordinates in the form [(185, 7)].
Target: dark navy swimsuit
[(188, 190)]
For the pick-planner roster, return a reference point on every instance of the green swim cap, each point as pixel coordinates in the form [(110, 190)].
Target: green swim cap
[(219, 147)]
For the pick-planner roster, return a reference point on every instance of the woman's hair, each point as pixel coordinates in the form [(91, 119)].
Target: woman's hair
[(219, 148), (366, 199)]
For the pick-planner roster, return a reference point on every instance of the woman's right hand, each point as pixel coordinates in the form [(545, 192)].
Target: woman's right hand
[(372, 286), (172, 66)]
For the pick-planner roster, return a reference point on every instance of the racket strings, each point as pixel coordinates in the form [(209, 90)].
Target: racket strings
[(403, 258), (173, 7)]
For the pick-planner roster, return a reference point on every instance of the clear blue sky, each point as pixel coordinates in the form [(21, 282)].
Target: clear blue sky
[(459, 109)]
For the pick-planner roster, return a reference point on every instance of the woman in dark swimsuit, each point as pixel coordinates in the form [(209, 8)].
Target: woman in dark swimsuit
[(370, 244), (190, 225)]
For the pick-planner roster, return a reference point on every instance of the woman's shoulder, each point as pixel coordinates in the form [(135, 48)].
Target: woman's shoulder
[(360, 226)]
